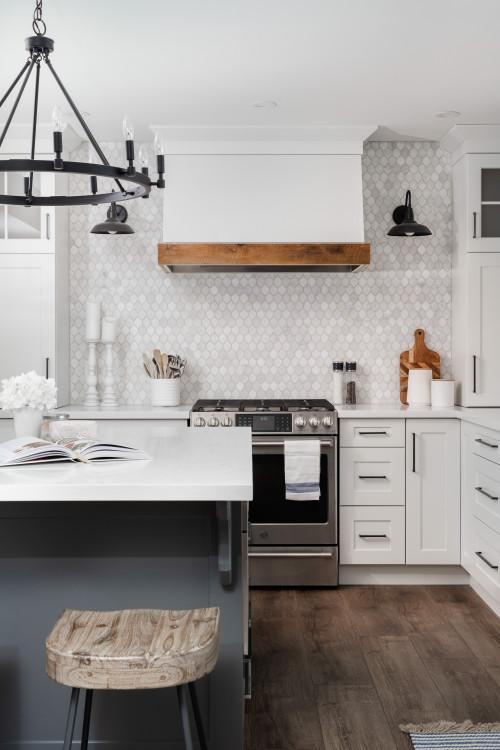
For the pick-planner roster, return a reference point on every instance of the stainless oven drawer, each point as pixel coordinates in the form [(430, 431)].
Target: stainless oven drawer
[(293, 566)]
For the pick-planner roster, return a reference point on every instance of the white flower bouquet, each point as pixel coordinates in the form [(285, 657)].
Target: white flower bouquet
[(28, 390)]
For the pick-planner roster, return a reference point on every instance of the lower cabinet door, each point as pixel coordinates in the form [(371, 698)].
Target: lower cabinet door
[(372, 535), (432, 492)]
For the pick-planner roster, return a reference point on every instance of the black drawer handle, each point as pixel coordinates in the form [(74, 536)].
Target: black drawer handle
[(373, 536), (483, 492), (484, 442), (375, 476), (373, 433), (480, 555)]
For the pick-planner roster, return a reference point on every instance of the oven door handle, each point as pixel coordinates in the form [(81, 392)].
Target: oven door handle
[(279, 444), (290, 554)]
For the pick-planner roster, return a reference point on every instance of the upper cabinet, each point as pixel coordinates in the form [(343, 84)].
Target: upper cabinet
[(475, 156), (28, 230), (483, 202)]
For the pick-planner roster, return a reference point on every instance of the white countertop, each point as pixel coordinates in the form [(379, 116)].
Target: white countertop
[(484, 416), (186, 465), (124, 411)]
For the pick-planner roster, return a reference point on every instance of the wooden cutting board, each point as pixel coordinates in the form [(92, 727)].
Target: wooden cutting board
[(417, 357)]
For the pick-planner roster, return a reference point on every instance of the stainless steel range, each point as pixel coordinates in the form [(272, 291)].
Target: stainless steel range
[(290, 543)]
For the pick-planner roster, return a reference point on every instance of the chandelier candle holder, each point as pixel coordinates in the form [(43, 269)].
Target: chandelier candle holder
[(40, 47)]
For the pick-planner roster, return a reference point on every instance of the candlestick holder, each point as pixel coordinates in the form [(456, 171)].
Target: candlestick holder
[(109, 399), (91, 396)]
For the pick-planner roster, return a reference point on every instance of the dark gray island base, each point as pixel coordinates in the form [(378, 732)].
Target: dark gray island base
[(115, 555)]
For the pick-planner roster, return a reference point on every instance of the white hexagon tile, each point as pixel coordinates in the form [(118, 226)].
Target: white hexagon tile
[(274, 335)]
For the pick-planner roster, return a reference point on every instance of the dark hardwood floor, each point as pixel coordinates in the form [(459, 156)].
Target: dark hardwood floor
[(342, 668)]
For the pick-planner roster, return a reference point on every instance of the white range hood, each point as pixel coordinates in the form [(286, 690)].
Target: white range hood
[(236, 188)]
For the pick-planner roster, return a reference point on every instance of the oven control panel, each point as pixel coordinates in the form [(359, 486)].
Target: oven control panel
[(305, 422)]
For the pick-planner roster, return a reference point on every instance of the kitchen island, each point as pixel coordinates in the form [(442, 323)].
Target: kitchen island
[(163, 533)]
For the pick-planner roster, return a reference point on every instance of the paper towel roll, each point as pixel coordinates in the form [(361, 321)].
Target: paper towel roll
[(442, 393), (419, 387)]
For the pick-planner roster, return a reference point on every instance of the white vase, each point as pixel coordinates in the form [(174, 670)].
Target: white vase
[(27, 422)]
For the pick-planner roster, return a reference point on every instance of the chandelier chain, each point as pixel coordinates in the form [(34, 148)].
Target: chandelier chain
[(39, 26)]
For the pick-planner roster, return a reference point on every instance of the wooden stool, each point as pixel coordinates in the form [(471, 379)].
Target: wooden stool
[(133, 649)]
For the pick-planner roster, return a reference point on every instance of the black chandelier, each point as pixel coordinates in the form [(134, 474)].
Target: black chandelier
[(40, 47)]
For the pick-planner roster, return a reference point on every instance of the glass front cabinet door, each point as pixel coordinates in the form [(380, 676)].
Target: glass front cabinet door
[(483, 202), (29, 229)]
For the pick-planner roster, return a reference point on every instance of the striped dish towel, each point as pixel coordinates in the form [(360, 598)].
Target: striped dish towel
[(302, 466)]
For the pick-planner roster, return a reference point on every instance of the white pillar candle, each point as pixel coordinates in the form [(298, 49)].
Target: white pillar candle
[(93, 321), (108, 329)]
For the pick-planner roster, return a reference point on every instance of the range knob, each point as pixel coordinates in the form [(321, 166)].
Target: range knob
[(300, 422), (327, 422), (226, 421), (314, 422), (199, 422), (213, 422)]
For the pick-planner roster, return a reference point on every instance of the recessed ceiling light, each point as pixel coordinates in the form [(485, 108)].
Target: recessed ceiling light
[(447, 114), (265, 104)]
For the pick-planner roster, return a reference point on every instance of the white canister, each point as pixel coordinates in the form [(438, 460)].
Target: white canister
[(165, 392), (442, 393), (419, 387)]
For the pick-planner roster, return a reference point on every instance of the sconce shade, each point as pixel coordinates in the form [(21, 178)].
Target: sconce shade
[(115, 223), (405, 224)]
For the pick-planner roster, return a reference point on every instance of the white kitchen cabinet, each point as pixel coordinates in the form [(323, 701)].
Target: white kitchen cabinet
[(34, 314), (483, 202), (372, 476), (432, 492), (372, 535), (481, 376), (23, 229)]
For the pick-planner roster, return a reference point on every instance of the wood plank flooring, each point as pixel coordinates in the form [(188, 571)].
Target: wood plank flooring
[(342, 668)]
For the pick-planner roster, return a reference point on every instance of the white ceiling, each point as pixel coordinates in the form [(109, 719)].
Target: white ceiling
[(325, 62)]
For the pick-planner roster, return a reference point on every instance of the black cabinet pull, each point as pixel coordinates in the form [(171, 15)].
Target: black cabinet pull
[(474, 373), (483, 492), (47, 367), (481, 556), (484, 442), (474, 214), (372, 536), (413, 436), (374, 476), (373, 433)]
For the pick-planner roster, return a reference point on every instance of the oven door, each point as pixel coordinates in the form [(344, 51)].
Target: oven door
[(274, 520)]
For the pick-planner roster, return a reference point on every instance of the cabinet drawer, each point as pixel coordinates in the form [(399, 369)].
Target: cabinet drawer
[(372, 433), (486, 443), (485, 563), (372, 476), (485, 490), (372, 536)]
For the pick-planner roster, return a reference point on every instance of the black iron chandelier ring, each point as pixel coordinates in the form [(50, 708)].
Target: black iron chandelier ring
[(142, 181)]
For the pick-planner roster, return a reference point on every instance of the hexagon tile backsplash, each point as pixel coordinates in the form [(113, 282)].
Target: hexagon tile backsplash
[(275, 335)]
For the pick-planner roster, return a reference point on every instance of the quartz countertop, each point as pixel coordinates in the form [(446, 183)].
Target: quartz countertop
[(186, 465), (485, 417)]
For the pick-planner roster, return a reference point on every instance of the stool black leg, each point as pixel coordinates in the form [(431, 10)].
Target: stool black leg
[(70, 724), (197, 716), (86, 719), (182, 696)]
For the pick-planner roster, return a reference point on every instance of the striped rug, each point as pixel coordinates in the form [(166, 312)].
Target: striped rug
[(445, 735)]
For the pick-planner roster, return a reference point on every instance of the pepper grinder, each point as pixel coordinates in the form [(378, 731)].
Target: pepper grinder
[(352, 379)]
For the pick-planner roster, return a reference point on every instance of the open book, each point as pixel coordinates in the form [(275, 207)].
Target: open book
[(30, 450)]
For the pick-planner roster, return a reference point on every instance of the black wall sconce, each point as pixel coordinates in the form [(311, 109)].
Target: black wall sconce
[(115, 223), (406, 226)]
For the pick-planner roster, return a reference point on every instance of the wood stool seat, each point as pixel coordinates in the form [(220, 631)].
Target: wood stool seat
[(132, 649)]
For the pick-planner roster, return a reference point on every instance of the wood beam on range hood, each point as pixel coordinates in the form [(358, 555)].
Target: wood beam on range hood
[(200, 257)]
